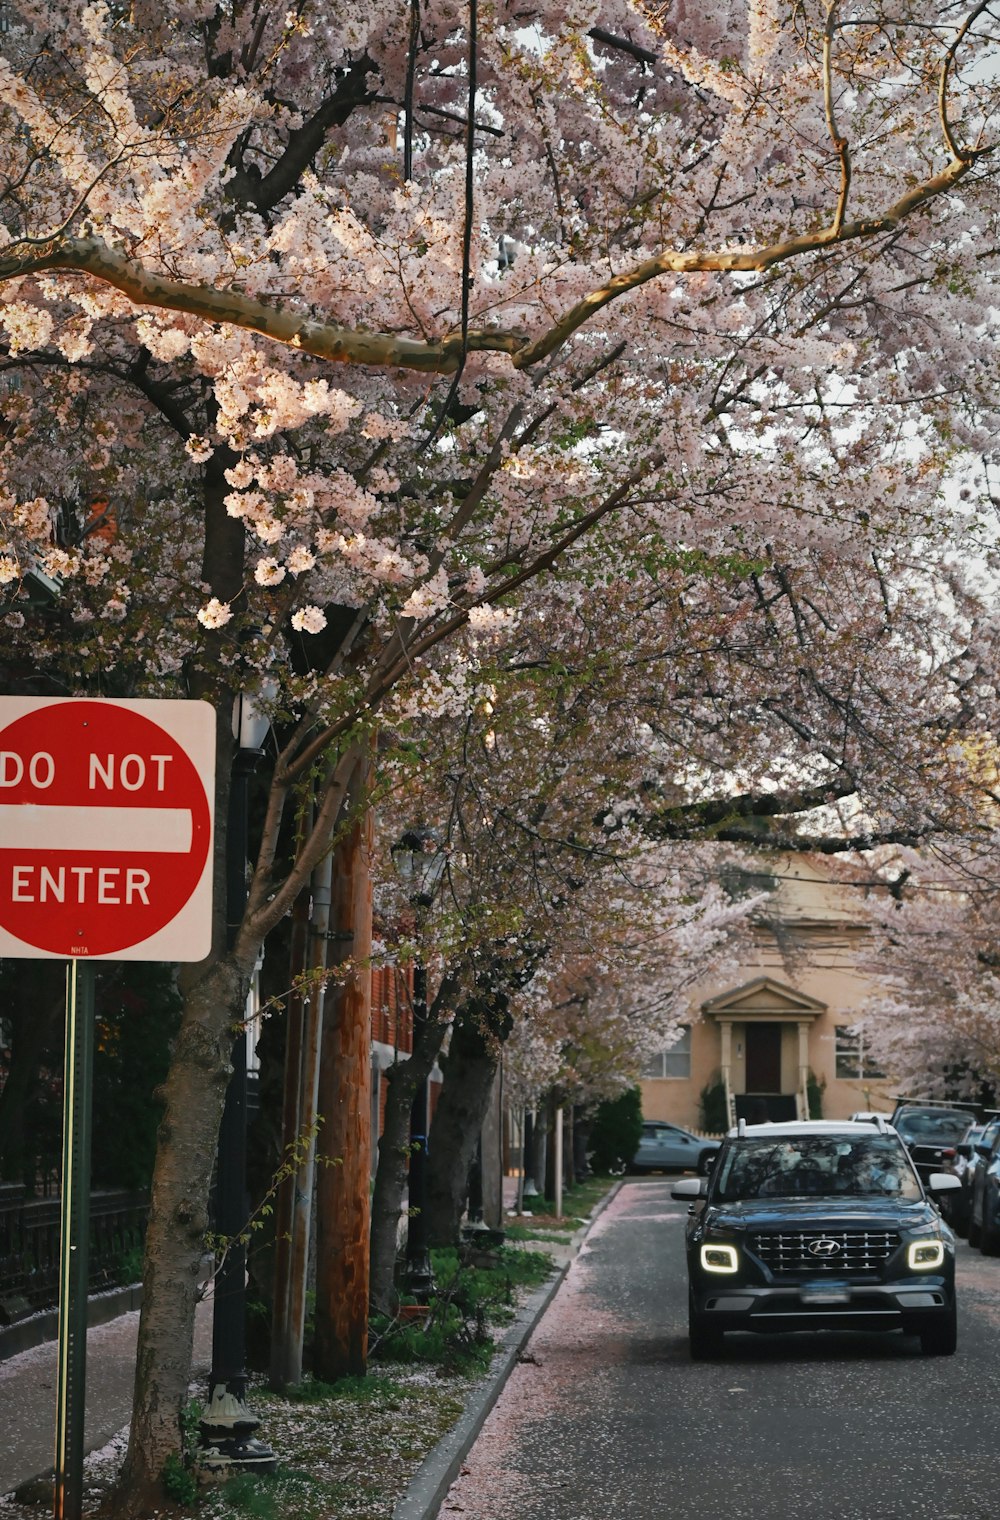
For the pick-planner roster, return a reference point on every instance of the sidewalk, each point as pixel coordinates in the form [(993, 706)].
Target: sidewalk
[(28, 1390), (28, 1385)]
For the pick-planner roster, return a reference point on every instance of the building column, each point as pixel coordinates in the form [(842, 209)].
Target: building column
[(803, 1092), (726, 1065)]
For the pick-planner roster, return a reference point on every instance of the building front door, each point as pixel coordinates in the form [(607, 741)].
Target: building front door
[(763, 1043)]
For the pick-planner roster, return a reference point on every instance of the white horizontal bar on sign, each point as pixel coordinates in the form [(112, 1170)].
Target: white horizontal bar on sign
[(115, 830)]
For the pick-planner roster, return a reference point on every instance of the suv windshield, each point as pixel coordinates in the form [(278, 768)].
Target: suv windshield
[(930, 1126), (798, 1165)]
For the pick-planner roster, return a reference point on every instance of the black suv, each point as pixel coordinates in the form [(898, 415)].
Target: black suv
[(817, 1226), (930, 1132)]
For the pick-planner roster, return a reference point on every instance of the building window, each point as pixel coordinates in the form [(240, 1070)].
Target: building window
[(675, 1061), (854, 1060), (737, 882)]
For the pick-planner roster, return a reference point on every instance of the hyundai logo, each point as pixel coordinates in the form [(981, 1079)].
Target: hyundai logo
[(824, 1247)]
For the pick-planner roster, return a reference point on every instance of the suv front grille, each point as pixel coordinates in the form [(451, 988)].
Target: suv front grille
[(857, 1250)]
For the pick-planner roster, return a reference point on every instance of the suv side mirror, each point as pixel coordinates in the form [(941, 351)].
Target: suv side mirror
[(686, 1188), (943, 1182)]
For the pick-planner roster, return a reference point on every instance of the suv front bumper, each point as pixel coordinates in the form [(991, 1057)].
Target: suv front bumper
[(909, 1307)]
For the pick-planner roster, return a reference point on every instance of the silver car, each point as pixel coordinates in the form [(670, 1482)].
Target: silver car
[(668, 1148)]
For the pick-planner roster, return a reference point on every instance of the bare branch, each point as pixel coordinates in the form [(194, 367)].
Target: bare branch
[(623, 45), (966, 155), (840, 142)]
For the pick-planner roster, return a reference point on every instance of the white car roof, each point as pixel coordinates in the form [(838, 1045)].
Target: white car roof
[(843, 1127)]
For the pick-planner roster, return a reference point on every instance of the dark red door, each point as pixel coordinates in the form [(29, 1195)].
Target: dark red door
[(763, 1042)]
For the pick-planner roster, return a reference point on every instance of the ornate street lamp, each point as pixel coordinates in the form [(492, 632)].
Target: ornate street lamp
[(419, 861), (228, 1426)]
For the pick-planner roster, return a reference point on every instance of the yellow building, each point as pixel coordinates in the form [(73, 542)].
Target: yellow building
[(784, 1030)]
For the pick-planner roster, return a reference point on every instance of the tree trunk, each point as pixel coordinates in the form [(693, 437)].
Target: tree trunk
[(390, 1183), (215, 992), (344, 1155), (194, 1094), (469, 1070), (403, 1078)]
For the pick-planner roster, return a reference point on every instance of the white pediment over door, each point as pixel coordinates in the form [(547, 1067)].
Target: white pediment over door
[(763, 998)]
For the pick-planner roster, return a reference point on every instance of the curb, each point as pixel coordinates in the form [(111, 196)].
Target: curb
[(439, 1469), (39, 1328)]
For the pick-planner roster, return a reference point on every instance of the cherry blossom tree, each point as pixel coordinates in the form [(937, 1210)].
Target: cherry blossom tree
[(598, 1013), (334, 344), (934, 1021)]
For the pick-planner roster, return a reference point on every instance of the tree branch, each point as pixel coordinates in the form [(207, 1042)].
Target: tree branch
[(264, 193), (691, 819), (91, 256), (819, 844), (623, 45)]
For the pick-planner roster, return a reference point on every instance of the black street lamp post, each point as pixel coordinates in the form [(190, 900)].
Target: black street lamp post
[(418, 1277), (420, 862), (227, 1424), (528, 1157)]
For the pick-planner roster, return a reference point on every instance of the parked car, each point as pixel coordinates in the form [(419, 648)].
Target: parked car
[(963, 1164), (668, 1148), (817, 1226), (929, 1129), (984, 1200)]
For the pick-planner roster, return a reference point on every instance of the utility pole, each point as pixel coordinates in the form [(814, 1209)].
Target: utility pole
[(345, 1140)]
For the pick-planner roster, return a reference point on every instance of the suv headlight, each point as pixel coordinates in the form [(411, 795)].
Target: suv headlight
[(718, 1258), (924, 1255)]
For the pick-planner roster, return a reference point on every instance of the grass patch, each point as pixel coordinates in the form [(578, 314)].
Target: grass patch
[(578, 1205), (345, 1449), (525, 1232)]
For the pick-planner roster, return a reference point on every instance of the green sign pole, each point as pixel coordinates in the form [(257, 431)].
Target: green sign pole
[(74, 1239)]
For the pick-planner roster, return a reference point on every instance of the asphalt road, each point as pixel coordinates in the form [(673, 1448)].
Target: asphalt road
[(607, 1418)]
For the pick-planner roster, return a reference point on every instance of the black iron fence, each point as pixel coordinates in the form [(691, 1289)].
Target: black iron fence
[(29, 1247)]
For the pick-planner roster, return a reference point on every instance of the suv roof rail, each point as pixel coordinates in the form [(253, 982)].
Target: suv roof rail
[(941, 1102), (881, 1125)]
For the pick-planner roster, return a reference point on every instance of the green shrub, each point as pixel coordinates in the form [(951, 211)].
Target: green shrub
[(616, 1131), (454, 1334), (128, 1267), (714, 1118)]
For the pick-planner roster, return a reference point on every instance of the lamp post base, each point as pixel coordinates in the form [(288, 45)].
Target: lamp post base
[(228, 1443), (237, 1454), (418, 1279)]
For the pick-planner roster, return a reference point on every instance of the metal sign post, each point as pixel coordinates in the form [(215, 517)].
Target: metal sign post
[(74, 1240)]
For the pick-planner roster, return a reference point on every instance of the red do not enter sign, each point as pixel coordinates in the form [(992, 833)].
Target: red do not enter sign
[(106, 828)]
